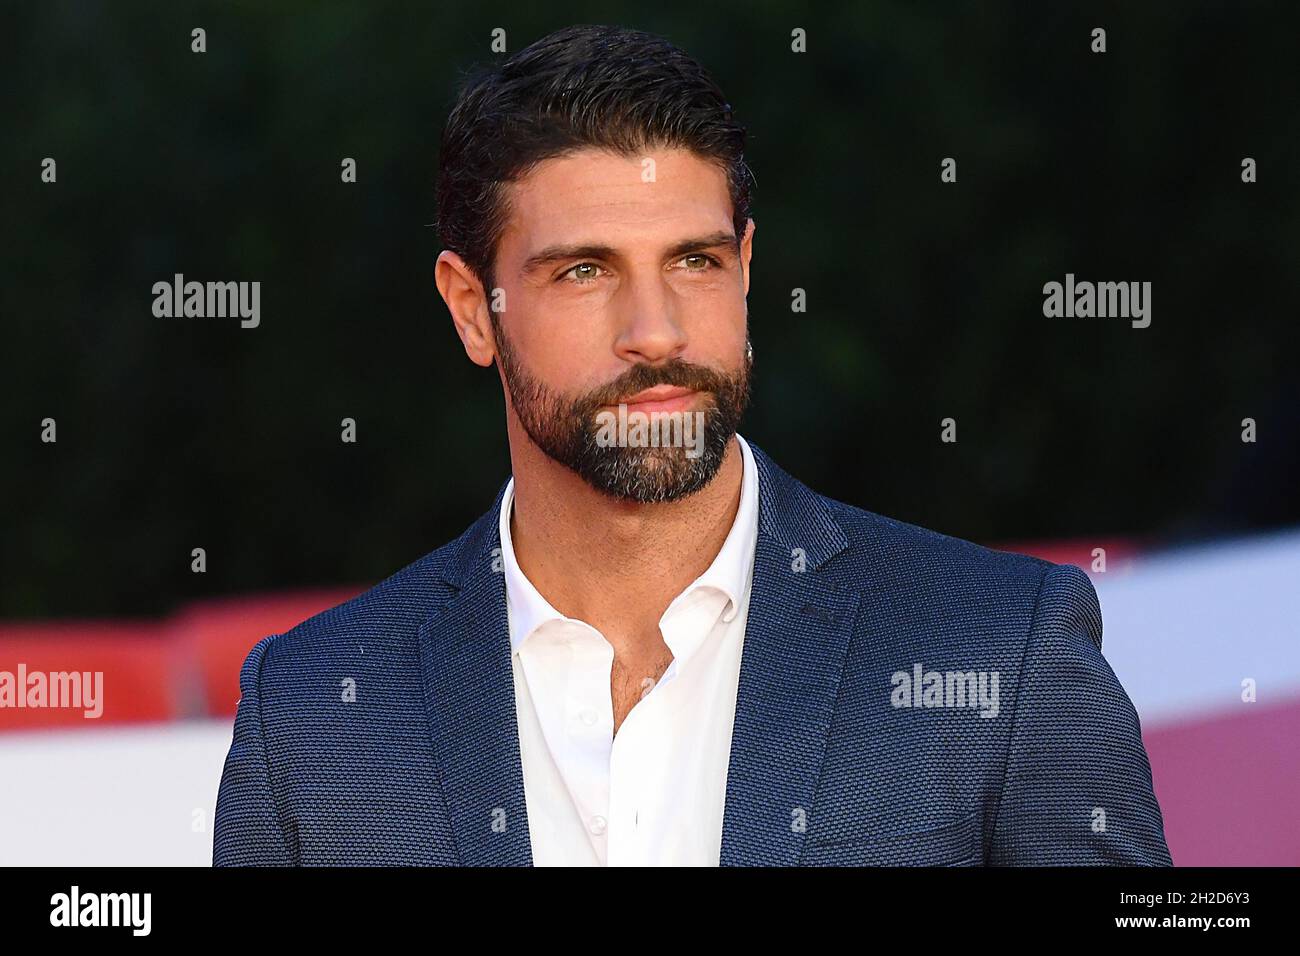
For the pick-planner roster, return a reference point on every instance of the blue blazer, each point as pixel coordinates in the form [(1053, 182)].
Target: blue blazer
[(383, 731)]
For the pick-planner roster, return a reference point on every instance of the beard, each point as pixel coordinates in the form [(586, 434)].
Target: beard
[(567, 428)]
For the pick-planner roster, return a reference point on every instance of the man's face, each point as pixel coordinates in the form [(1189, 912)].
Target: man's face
[(624, 285)]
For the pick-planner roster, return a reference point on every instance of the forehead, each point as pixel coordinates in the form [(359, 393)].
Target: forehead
[(599, 196)]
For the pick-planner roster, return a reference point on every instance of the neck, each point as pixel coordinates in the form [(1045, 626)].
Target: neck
[(613, 563)]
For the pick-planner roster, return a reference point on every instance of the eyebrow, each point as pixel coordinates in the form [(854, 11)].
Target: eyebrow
[(561, 251)]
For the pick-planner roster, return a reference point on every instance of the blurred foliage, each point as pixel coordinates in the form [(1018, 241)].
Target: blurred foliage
[(924, 299)]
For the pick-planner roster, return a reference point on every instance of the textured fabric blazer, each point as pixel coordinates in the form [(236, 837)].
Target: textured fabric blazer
[(383, 731)]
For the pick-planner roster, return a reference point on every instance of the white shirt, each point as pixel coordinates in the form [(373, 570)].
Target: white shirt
[(653, 794)]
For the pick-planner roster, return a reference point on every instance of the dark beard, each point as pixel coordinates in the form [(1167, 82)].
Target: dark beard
[(566, 429)]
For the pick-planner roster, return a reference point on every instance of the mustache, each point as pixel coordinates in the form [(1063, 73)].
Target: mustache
[(677, 373)]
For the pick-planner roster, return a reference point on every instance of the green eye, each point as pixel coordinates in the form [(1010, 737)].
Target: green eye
[(582, 273)]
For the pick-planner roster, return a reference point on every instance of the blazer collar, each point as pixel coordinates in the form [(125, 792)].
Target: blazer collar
[(796, 637)]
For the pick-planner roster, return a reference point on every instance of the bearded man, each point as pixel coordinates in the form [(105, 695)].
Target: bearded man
[(668, 651)]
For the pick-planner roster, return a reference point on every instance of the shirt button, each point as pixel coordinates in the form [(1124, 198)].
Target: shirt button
[(598, 825), (588, 716)]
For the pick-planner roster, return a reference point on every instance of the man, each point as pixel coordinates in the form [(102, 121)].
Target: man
[(657, 647)]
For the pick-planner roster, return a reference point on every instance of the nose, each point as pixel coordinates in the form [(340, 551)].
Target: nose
[(651, 330)]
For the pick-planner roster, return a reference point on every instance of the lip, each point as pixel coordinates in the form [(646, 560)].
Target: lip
[(661, 398)]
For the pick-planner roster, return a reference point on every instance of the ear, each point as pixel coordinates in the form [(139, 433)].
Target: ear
[(747, 250), (463, 292)]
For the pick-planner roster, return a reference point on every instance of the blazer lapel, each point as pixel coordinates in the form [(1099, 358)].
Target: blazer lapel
[(796, 638), (470, 699)]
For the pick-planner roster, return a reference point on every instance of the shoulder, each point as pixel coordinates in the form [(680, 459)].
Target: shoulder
[(920, 574), (924, 555), (945, 579), (938, 597), (387, 615)]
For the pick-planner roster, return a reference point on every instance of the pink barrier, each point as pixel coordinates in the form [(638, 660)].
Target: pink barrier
[(1229, 786)]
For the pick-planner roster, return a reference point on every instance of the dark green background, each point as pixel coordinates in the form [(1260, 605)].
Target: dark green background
[(924, 299)]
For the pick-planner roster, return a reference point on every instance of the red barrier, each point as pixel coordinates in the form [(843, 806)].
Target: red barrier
[(217, 636), (136, 664), (186, 665)]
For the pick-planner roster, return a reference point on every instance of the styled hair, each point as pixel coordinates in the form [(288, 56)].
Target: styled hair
[(580, 87)]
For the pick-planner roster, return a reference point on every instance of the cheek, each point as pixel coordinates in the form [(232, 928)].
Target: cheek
[(557, 313), (561, 346), (717, 324)]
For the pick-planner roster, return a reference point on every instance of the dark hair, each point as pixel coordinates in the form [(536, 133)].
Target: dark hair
[(583, 86)]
